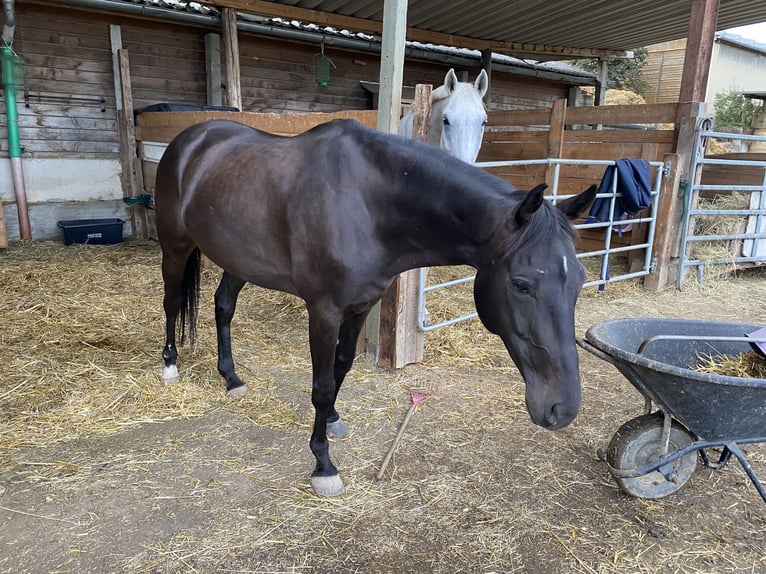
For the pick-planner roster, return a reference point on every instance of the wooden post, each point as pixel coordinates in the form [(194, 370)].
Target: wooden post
[(132, 177), (668, 210), (231, 58), (401, 342), (699, 51), (555, 136), (486, 64), (213, 69), (389, 112), (602, 77)]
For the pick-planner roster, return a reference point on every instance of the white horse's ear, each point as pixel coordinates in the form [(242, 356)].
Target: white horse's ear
[(450, 81), (482, 83)]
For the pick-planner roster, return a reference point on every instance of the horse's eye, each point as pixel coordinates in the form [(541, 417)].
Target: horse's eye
[(521, 286), (446, 120)]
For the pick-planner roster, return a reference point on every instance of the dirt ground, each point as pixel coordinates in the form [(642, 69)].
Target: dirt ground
[(183, 480)]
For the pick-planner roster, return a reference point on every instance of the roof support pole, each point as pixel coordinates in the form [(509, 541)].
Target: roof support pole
[(699, 51), (389, 112)]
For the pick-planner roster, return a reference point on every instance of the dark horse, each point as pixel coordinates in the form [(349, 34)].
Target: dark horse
[(333, 216)]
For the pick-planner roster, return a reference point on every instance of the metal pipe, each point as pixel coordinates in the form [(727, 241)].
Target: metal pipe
[(14, 145), (9, 22)]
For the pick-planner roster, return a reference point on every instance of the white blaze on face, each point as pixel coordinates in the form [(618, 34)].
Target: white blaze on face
[(566, 265)]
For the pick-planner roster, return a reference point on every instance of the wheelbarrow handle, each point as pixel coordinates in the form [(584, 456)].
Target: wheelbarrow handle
[(596, 351), (646, 342)]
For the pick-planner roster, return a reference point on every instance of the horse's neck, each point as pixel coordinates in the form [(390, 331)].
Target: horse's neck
[(448, 226)]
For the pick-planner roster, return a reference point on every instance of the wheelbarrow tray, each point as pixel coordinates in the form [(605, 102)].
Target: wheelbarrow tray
[(713, 407)]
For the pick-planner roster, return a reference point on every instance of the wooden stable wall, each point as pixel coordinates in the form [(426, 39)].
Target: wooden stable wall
[(562, 132)]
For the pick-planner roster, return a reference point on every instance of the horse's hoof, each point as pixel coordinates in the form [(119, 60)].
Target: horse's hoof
[(170, 375), (338, 429), (239, 391), (328, 485)]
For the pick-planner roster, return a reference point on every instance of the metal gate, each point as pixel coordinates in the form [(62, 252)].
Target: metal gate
[(740, 231), (602, 256)]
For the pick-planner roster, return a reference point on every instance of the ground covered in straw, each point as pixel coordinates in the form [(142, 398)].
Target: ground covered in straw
[(102, 469)]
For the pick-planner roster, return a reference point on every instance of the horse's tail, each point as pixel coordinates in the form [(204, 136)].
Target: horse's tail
[(190, 296)]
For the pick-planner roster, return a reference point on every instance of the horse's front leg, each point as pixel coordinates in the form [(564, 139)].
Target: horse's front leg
[(225, 304), (323, 338), (344, 358)]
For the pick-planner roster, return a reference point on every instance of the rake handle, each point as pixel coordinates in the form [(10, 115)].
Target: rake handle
[(391, 450)]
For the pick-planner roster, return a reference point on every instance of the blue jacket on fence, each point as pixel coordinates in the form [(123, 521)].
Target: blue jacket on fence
[(633, 182)]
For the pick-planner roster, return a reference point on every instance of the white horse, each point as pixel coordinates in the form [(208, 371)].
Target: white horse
[(457, 122), (458, 116)]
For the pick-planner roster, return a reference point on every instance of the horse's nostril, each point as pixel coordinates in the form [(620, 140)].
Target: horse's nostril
[(559, 416)]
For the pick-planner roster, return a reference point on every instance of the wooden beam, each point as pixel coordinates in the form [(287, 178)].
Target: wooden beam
[(602, 78), (668, 211), (557, 123), (539, 51), (486, 64), (231, 58), (213, 69), (699, 51), (131, 165)]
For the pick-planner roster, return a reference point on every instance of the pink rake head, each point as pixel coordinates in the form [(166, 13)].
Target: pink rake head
[(421, 391)]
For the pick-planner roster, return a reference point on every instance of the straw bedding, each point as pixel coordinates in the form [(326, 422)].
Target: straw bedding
[(104, 469)]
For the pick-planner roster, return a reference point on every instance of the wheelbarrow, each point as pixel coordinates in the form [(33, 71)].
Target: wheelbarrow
[(653, 455)]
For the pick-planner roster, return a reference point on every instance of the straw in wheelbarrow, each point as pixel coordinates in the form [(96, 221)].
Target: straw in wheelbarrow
[(419, 392)]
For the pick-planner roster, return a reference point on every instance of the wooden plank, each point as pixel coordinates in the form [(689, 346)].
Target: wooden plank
[(132, 179), (628, 114), (213, 69), (164, 126), (3, 232), (534, 117), (555, 137), (617, 136)]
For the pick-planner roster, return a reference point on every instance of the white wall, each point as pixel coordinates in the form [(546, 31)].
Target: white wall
[(61, 189)]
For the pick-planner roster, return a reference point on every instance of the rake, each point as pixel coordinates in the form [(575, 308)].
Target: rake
[(419, 392)]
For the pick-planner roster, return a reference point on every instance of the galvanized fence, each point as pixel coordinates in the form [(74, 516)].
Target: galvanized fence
[(601, 256), (717, 232)]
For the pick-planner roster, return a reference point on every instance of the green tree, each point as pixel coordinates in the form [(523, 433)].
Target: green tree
[(623, 73), (734, 110)]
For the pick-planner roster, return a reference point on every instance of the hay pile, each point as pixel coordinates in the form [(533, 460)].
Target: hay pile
[(719, 249), (749, 365)]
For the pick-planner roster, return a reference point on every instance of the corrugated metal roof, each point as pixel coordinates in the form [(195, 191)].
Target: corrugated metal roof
[(584, 24)]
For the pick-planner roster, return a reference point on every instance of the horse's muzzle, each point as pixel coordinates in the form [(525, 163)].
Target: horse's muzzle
[(555, 416)]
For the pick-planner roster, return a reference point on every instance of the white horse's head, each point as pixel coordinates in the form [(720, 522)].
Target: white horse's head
[(458, 116)]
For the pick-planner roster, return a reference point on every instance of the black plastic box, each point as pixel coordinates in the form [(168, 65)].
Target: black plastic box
[(92, 231)]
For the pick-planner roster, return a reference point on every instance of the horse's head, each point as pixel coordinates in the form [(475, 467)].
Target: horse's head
[(458, 116), (526, 294)]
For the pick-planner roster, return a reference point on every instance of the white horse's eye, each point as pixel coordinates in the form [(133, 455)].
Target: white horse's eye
[(445, 119)]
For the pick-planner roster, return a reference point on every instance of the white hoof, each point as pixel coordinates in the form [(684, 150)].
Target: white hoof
[(170, 375), (328, 485), (338, 429), (240, 391)]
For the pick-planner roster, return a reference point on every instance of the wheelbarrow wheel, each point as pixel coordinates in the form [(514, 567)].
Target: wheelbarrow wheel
[(638, 443)]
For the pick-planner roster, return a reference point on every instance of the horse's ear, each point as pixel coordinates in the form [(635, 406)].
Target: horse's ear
[(482, 83), (530, 204), (575, 206), (450, 80)]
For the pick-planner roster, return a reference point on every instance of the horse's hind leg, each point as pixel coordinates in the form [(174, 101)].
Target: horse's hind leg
[(345, 353), (176, 271), (225, 304)]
